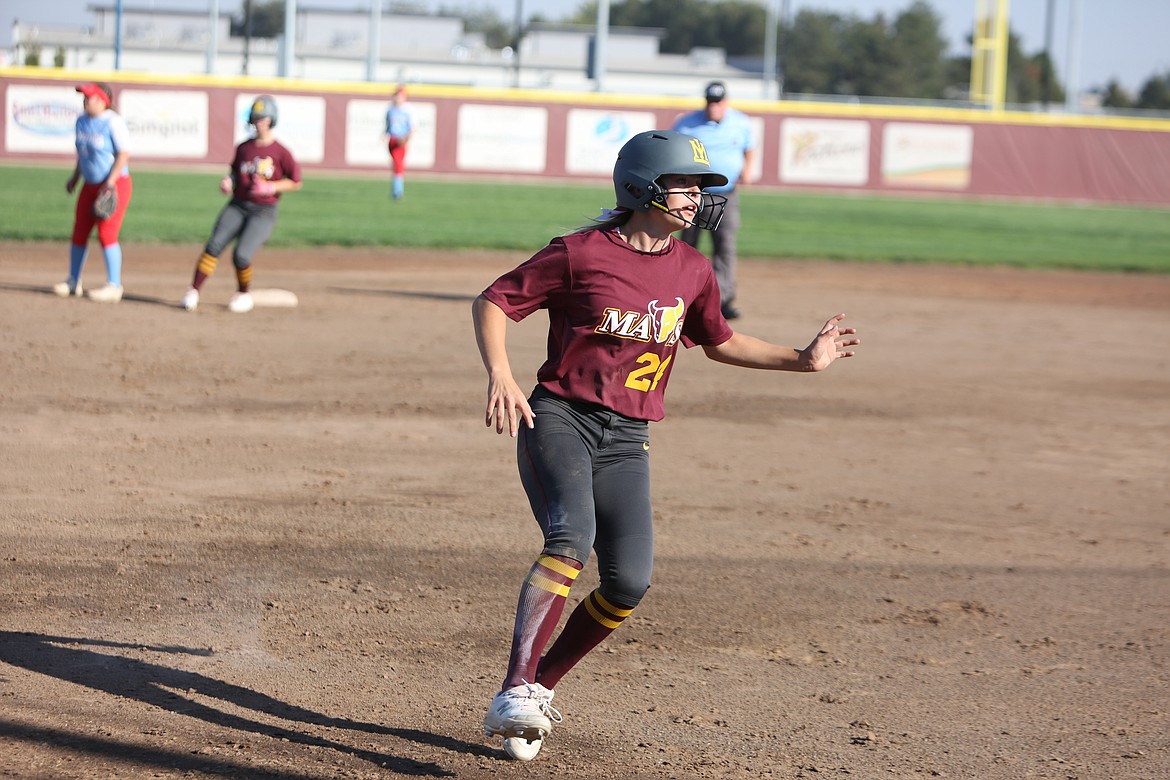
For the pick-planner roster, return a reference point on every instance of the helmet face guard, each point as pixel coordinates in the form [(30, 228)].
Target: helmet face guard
[(710, 213), (710, 208), (649, 156)]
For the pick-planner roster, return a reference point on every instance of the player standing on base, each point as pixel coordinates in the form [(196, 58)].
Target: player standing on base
[(261, 170), (621, 295), (103, 156), (399, 126)]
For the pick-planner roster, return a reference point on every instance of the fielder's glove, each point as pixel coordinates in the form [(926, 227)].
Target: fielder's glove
[(106, 203)]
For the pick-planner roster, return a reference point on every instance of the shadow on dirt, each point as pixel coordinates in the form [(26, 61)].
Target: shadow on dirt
[(430, 296), (126, 297), (176, 691)]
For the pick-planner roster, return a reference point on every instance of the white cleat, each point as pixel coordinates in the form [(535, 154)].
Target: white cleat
[(67, 288), (241, 303), (110, 293), (191, 299), (523, 716), (521, 749)]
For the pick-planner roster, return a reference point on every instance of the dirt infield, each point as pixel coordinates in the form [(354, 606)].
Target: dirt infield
[(282, 545)]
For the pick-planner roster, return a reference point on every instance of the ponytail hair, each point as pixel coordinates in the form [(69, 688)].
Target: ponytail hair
[(608, 219)]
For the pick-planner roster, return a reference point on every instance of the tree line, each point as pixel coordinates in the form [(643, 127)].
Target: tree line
[(819, 52)]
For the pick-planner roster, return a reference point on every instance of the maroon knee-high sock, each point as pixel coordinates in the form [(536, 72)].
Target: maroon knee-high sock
[(593, 620), (542, 600)]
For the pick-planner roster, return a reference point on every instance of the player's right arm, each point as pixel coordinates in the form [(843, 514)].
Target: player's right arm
[(506, 402), (71, 184)]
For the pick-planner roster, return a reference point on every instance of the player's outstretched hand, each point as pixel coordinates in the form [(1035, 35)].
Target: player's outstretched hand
[(829, 345), (507, 405), (226, 185)]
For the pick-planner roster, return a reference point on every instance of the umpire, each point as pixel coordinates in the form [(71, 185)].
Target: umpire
[(727, 134)]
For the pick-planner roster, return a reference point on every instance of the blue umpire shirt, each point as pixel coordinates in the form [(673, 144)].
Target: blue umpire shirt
[(726, 141)]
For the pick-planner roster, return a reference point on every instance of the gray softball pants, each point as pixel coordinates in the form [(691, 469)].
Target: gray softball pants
[(586, 471), (251, 223)]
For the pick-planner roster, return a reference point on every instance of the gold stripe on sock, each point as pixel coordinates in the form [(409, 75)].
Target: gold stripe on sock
[(597, 614), (207, 264), (560, 567), (244, 276), (544, 583), (611, 608)]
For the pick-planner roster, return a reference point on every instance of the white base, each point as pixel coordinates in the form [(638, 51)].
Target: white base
[(272, 297)]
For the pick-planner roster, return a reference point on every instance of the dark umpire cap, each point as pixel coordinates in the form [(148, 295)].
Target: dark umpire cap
[(716, 92)]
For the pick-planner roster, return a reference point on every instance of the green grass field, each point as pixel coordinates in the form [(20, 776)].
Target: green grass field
[(172, 207)]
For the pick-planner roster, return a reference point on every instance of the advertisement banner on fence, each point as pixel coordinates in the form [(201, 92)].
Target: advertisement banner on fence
[(165, 123), (921, 155), (508, 139), (595, 137), (41, 118), (824, 151)]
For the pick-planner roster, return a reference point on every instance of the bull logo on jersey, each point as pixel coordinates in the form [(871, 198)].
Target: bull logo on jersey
[(668, 321), (264, 167), (662, 324)]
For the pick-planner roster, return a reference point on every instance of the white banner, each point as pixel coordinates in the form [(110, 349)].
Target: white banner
[(595, 137), (919, 155), (509, 139), (824, 151), (41, 118), (165, 124)]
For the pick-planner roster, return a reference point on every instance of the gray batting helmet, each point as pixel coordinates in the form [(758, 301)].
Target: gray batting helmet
[(648, 156), (263, 106)]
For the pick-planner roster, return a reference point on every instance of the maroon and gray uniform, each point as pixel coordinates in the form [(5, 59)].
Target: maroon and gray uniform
[(248, 216), (616, 317)]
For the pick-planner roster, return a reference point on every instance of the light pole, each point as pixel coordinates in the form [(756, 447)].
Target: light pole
[(516, 43), (769, 74), (1072, 95), (118, 36)]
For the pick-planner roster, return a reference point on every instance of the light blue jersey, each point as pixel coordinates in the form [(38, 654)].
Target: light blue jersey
[(99, 140), (726, 141), (398, 122)]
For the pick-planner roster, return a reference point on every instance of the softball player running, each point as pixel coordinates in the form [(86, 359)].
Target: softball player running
[(261, 171), (103, 162), (399, 126), (621, 295)]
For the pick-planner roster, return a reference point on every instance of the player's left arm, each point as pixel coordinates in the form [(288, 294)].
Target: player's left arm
[(750, 352), (290, 181), (120, 163), (749, 162), (749, 155)]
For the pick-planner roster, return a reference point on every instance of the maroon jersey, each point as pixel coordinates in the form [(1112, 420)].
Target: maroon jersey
[(253, 161), (616, 316)]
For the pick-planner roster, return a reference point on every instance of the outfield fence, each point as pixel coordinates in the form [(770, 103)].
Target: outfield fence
[(529, 133)]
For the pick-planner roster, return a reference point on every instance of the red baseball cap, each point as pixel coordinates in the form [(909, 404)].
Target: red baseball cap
[(94, 88)]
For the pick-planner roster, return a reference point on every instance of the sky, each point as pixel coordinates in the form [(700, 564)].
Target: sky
[(1122, 40)]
